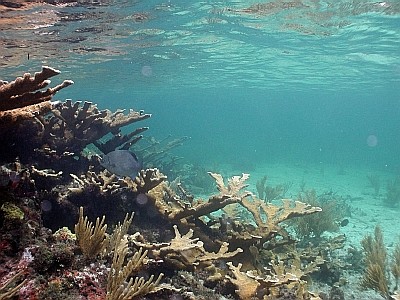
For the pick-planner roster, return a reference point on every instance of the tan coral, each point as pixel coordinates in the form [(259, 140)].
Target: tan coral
[(91, 238), (146, 180), (22, 99), (395, 296), (105, 182), (176, 209), (235, 184), (268, 216), (252, 284), (184, 251)]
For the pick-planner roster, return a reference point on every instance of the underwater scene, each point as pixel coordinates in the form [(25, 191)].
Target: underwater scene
[(199, 150)]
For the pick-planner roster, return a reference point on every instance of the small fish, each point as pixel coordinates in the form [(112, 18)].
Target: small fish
[(344, 222), (122, 163)]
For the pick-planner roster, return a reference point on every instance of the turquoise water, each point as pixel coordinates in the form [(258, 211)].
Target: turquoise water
[(298, 81)]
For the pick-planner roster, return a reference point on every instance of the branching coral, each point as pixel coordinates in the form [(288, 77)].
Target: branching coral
[(146, 180), (22, 99), (258, 232), (251, 284), (72, 126), (268, 216), (104, 182), (184, 251), (59, 131)]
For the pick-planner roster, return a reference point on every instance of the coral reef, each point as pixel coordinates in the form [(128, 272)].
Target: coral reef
[(395, 265), (57, 134), (118, 288), (237, 244)]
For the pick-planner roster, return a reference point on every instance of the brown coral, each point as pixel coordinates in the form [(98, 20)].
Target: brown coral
[(22, 99), (74, 125)]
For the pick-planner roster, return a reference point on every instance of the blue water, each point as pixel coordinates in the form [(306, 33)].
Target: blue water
[(248, 83)]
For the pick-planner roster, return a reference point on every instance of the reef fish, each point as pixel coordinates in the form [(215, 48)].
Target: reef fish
[(121, 163)]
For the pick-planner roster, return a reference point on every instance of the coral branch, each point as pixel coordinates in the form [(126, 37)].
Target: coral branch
[(22, 99)]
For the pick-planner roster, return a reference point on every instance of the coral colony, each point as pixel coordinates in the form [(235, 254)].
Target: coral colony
[(71, 229)]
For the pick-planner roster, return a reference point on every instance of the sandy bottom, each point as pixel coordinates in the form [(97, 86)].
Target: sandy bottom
[(367, 208)]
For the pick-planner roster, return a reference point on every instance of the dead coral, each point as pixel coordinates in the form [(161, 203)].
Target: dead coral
[(22, 99)]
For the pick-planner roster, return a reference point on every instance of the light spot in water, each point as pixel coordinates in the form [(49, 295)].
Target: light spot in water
[(147, 71), (46, 205), (372, 140), (141, 199)]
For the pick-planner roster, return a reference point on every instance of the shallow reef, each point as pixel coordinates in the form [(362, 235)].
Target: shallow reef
[(69, 229)]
